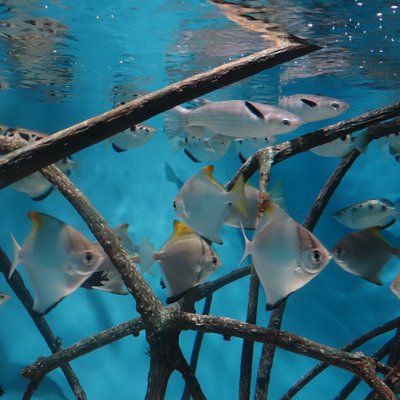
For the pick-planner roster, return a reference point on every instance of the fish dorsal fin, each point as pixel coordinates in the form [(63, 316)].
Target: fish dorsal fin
[(180, 229), (239, 197), (208, 171), (122, 228), (254, 110), (309, 102), (39, 219)]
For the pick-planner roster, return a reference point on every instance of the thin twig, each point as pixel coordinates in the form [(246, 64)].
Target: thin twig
[(353, 383), (197, 346), (246, 364), (70, 140), (354, 344), (17, 285)]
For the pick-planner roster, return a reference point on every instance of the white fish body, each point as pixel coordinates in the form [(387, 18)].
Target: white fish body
[(232, 118), (313, 107), (368, 213), (342, 146), (57, 258), (285, 255), (364, 253), (203, 204), (4, 297), (136, 136), (186, 260), (200, 150)]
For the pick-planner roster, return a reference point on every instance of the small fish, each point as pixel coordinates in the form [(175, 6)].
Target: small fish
[(232, 118), (57, 258), (106, 277), (203, 203), (395, 286), (136, 136), (393, 142), (364, 253), (285, 255), (201, 150), (186, 260), (247, 147), (313, 107), (4, 297), (342, 146), (368, 213)]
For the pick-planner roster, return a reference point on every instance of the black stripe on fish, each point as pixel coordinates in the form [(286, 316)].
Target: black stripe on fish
[(43, 195), (309, 102), (242, 158), (390, 223), (270, 307), (48, 309), (191, 156), (117, 149), (97, 279), (173, 299), (162, 284), (24, 136), (253, 109)]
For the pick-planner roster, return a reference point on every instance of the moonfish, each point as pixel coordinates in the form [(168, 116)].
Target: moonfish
[(368, 213), (232, 118), (313, 107), (342, 146), (186, 260), (35, 185), (203, 203), (364, 253), (57, 258), (285, 255), (236, 219), (106, 277), (4, 297), (136, 136), (201, 150)]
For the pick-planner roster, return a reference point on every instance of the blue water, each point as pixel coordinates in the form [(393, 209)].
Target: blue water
[(98, 53)]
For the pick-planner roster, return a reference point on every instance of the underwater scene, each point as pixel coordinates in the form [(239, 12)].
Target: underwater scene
[(185, 205)]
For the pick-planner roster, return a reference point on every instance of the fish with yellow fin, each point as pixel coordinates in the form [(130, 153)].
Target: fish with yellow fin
[(186, 260), (57, 258), (203, 203), (364, 253), (285, 255)]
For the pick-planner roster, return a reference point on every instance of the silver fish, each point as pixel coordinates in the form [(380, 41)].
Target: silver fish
[(232, 118), (186, 260), (35, 185), (393, 142), (342, 146), (136, 136), (4, 297), (368, 213), (247, 147), (106, 277), (364, 253), (313, 107), (57, 258), (285, 255), (201, 150), (203, 203)]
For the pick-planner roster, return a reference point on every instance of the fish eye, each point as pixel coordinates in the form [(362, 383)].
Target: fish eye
[(285, 122), (88, 257), (316, 256), (174, 205), (214, 260), (339, 251), (335, 106)]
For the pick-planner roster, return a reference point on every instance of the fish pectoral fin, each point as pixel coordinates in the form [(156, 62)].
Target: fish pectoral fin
[(117, 149), (191, 156)]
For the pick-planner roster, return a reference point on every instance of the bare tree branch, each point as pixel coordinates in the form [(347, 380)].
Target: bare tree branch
[(35, 156), (54, 343)]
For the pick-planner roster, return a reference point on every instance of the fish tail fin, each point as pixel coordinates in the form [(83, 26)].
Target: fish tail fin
[(16, 257), (175, 121), (247, 246), (361, 142), (239, 198), (146, 259), (171, 176)]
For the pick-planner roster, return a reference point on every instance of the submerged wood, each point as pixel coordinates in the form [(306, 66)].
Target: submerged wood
[(35, 156), (17, 285)]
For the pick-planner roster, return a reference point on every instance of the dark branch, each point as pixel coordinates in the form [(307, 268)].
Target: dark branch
[(17, 285), (35, 156)]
